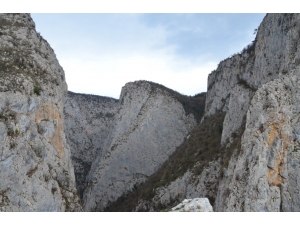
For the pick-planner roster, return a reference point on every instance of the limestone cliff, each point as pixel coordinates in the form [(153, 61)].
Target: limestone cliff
[(267, 169), (273, 53), (36, 172), (88, 120), (149, 125), (259, 176)]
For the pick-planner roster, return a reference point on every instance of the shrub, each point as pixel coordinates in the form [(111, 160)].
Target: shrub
[(37, 90)]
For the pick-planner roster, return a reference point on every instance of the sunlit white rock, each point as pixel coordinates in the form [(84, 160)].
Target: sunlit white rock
[(193, 205)]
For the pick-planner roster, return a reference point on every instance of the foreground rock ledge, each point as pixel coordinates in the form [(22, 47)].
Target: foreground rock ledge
[(193, 205)]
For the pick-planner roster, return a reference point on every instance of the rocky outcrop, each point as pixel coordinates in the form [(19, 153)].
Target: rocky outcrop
[(36, 170), (148, 127), (187, 186), (267, 170), (260, 176), (88, 120), (193, 205), (273, 53)]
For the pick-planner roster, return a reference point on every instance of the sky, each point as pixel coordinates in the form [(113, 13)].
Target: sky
[(101, 52)]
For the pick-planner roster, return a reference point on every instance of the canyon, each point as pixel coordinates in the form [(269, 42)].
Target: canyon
[(236, 145)]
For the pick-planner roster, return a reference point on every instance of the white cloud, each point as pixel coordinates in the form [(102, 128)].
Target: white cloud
[(106, 76), (127, 50), (100, 53)]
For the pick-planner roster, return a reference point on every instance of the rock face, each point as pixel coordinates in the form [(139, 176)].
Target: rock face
[(193, 205), (273, 53), (267, 170), (88, 120), (262, 175), (148, 127), (36, 170)]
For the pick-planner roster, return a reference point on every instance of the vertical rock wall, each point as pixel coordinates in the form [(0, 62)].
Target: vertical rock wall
[(266, 174), (148, 127), (262, 175), (273, 53), (88, 121), (36, 172)]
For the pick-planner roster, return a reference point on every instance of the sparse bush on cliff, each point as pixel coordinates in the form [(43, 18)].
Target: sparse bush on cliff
[(37, 90)]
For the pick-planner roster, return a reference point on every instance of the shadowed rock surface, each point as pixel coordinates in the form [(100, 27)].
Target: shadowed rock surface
[(88, 120)]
